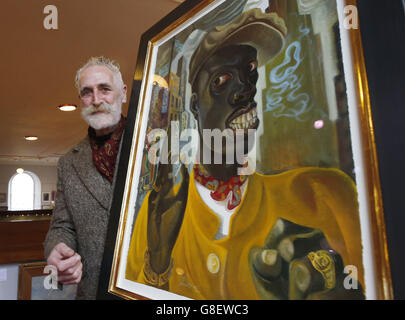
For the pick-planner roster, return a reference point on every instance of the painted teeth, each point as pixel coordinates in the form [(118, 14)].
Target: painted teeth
[(244, 121)]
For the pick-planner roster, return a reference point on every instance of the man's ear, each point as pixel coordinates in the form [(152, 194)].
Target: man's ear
[(124, 92), (194, 105)]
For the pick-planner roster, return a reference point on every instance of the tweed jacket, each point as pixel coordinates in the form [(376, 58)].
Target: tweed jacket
[(80, 217)]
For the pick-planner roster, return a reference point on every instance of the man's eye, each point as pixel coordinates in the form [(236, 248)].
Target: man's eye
[(252, 66), (221, 80)]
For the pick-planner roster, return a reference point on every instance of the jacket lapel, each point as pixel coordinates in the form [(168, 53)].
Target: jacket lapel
[(89, 175)]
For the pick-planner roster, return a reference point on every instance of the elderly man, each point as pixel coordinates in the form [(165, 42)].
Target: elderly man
[(282, 236), (75, 240)]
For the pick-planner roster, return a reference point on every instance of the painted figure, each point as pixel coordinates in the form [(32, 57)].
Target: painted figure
[(221, 235)]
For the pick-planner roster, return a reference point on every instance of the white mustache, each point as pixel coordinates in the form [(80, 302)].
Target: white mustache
[(104, 107)]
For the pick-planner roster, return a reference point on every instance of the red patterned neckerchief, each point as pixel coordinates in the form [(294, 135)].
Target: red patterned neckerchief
[(105, 149), (221, 189)]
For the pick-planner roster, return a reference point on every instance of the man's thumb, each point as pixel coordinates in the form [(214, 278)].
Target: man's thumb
[(64, 250)]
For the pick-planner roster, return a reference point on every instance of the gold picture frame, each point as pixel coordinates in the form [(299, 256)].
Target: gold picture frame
[(191, 15)]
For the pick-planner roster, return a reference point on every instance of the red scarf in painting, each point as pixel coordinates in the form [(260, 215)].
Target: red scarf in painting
[(105, 149), (221, 189)]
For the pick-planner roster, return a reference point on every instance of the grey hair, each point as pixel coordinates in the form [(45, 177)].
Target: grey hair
[(102, 61)]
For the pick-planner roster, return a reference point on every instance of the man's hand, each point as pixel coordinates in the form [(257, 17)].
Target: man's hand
[(67, 262)]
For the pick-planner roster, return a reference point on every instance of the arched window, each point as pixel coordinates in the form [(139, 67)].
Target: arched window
[(24, 191)]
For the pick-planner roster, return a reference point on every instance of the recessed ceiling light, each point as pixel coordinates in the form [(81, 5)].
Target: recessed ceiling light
[(20, 170), (31, 138), (67, 107)]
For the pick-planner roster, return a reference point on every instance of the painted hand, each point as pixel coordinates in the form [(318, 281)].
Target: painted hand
[(297, 262), (165, 215)]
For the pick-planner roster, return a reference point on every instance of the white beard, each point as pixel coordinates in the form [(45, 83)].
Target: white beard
[(110, 117)]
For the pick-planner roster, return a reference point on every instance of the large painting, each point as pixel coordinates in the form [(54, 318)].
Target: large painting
[(249, 171)]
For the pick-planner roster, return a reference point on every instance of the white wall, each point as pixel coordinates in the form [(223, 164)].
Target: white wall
[(48, 177), (46, 174), (8, 281)]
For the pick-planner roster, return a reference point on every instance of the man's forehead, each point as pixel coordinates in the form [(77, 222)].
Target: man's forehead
[(95, 75)]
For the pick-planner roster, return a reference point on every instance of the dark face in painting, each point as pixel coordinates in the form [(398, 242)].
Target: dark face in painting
[(224, 89)]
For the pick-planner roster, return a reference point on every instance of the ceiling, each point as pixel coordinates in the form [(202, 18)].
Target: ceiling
[(38, 67)]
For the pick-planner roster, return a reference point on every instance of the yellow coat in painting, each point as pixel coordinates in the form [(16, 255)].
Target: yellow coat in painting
[(205, 268)]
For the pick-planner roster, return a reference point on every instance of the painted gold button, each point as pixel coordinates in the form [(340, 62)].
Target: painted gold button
[(180, 271), (213, 263)]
